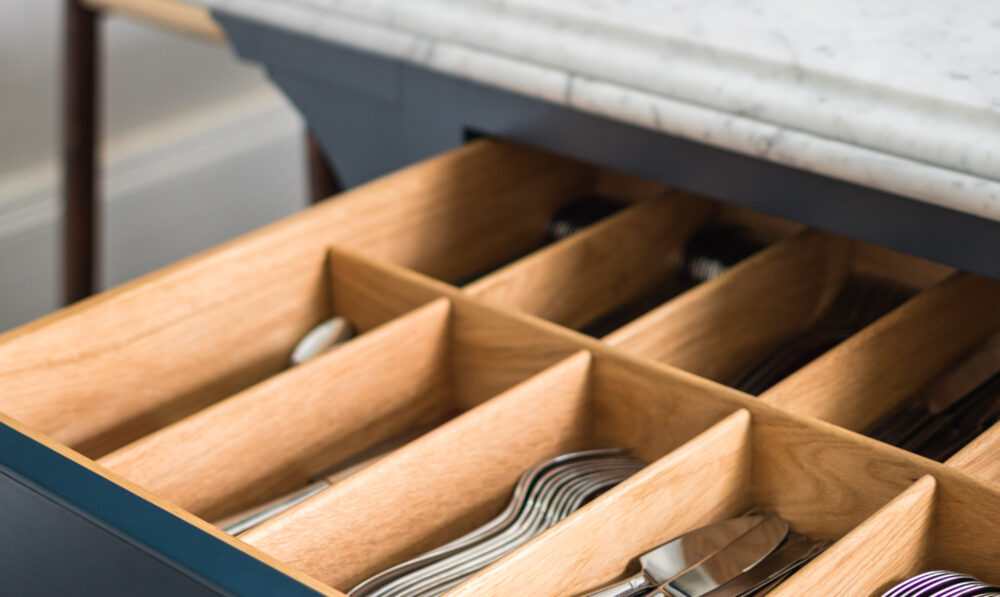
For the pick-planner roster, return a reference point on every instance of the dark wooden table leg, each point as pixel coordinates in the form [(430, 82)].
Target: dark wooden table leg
[(323, 180), (80, 123)]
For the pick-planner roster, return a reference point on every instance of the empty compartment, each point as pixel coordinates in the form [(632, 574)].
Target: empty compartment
[(777, 309), (933, 349), (461, 475), (941, 522), (629, 263)]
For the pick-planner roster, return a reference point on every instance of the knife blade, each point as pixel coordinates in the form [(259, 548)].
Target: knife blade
[(729, 562), (678, 555), (795, 552)]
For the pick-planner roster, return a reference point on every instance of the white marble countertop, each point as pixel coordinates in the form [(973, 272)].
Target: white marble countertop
[(899, 95)]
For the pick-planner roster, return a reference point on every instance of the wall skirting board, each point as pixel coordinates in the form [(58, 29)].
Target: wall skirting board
[(171, 188)]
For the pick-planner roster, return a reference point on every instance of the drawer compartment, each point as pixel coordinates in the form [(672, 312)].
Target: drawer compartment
[(471, 362)]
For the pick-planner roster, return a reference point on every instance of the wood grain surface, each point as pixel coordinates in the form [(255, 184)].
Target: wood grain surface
[(981, 457), (887, 548), (437, 488), (601, 267), (719, 327), (597, 543), (868, 374), (211, 325), (179, 378), (277, 435)]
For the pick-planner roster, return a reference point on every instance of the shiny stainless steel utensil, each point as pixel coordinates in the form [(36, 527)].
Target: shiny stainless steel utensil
[(567, 221), (248, 519), (795, 552), (501, 521), (544, 495), (577, 215), (860, 301), (559, 500), (709, 253), (729, 562), (939, 430), (320, 339), (712, 251), (662, 563)]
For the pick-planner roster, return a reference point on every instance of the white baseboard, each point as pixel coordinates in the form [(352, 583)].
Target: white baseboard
[(170, 189)]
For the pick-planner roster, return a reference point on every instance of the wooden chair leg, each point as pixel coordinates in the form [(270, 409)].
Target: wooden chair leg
[(79, 129), (322, 178)]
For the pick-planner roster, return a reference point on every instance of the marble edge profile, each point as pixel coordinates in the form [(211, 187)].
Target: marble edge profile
[(927, 182)]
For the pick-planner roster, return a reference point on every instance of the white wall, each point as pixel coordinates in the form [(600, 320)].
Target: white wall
[(199, 148)]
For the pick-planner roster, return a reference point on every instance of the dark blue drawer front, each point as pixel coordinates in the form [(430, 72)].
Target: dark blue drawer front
[(65, 530)]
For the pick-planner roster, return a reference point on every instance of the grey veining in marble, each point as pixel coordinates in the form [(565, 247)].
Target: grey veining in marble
[(899, 95)]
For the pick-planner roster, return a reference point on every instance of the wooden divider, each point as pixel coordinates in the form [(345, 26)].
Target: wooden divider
[(592, 272), (621, 258), (113, 367), (119, 366), (827, 482), (936, 524), (981, 458), (704, 480), (887, 546), (437, 488), (461, 475), (369, 295), (721, 326), (275, 436), (867, 375), (214, 332)]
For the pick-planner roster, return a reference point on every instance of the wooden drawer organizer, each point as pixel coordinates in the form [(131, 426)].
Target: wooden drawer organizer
[(175, 384)]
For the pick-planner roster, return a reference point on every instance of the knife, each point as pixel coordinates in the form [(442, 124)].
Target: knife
[(795, 552), (674, 557), (729, 562)]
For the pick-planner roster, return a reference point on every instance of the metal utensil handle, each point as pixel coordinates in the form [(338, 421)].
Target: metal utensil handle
[(638, 584)]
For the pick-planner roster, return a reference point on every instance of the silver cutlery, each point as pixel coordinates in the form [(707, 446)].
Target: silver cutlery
[(323, 337), (519, 497), (445, 575), (565, 222), (674, 557), (795, 552), (248, 519), (860, 301), (577, 215), (729, 562), (712, 251), (709, 253), (544, 495), (935, 432)]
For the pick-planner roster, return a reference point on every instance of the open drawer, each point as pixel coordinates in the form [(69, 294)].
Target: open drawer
[(174, 390)]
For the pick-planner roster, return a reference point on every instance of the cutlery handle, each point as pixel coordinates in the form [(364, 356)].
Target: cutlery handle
[(638, 584)]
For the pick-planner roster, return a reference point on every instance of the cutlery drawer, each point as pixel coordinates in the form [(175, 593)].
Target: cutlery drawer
[(470, 362)]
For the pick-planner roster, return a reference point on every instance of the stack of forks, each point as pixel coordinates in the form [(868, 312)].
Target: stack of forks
[(544, 495)]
